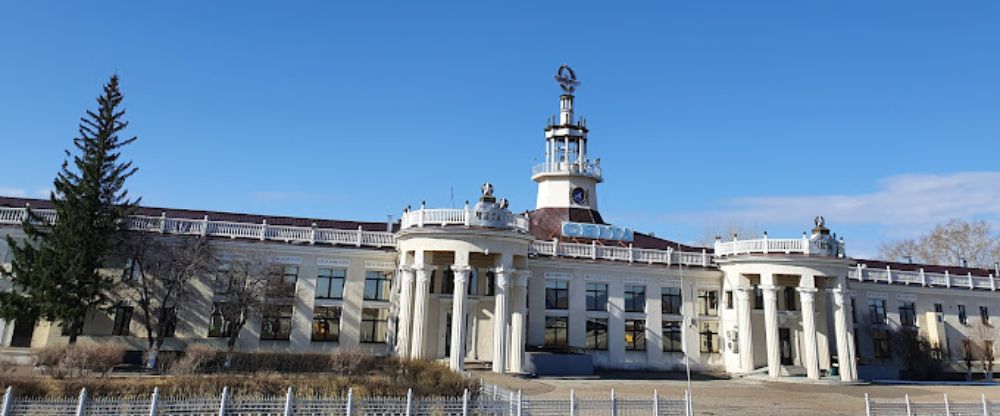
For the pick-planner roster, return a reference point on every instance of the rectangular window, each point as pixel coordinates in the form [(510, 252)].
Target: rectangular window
[(670, 300), (556, 331), (281, 283), (790, 304), (66, 331), (727, 299), (880, 343), (330, 283), (597, 296), (597, 333), (374, 324), (963, 318), (123, 320), (447, 282), (876, 311), (219, 326), (556, 294), (132, 270), (984, 315), (326, 324), (491, 283), (635, 298), (377, 285), (939, 312), (758, 297), (908, 315), (708, 302), (672, 336), (709, 333), (635, 334), (276, 324), (472, 285), (170, 326)]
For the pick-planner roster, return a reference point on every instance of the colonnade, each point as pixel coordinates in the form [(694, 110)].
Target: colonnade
[(810, 354), (509, 316)]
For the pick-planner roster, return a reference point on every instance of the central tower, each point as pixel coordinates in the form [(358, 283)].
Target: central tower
[(567, 178)]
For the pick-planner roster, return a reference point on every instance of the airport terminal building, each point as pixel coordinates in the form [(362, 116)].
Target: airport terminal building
[(556, 289)]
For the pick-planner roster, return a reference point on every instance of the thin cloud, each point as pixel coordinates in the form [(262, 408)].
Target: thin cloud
[(14, 192), (910, 199)]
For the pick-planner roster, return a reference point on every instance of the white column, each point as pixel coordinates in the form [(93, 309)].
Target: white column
[(405, 321), (807, 297), (3, 333), (845, 354), (771, 330), (517, 330), (744, 328), (417, 341), (500, 320), (457, 355)]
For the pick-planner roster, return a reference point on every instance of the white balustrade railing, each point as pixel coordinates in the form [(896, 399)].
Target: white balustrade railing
[(455, 216), (585, 168), (594, 251), (921, 278), (762, 246), (229, 229)]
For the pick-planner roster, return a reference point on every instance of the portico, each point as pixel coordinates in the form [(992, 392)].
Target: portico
[(487, 244)]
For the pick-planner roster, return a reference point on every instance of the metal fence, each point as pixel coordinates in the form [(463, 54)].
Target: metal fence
[(490, 401), (945, 407)]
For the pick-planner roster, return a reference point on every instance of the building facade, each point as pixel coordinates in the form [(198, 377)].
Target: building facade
[(521, 292)]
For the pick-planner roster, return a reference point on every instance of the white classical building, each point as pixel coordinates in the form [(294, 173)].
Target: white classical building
[(554, 290)]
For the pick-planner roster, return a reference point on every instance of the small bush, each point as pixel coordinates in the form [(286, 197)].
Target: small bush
[(195, 359), (78, 360)]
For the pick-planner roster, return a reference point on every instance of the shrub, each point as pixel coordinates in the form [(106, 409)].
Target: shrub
[(79, 359), (195, 359), (7, 366)]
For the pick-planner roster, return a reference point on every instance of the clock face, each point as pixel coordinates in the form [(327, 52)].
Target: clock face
[(579, 196)]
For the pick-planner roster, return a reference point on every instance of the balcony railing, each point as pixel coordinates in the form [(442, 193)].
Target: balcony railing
[(586, 168), (762, 246), (228, 229), (595, 251), (946, 279), (457, 216)]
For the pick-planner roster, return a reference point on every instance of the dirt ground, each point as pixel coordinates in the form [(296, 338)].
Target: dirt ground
[(742, 397)]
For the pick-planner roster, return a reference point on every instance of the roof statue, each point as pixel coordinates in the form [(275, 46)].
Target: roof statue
[(819, 221), (567, 79), (487, 189)]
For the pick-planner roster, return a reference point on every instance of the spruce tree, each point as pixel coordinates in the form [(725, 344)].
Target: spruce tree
[(55, 271)]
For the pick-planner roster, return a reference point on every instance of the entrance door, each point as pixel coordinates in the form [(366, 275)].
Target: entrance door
[(23, 332), (785, 345)]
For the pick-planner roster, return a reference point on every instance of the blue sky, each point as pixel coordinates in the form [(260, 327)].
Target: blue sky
[(882, 116)]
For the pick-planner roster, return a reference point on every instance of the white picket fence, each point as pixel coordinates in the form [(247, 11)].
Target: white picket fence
[(491, 401), (945, 407)]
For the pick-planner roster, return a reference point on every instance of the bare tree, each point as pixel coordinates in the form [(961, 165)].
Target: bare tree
[(243, 284), (158, 272), (726, 231), (948, 243), (984, 336)]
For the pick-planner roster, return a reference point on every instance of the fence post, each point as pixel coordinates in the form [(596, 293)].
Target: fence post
[(510, 403), (222, 402), (5, 407), (154, 401), (614, 405), (81, 406), (947, 406), (520, 403), (868, 406), (350, 401), (909, 411), (986, 409), (409, 401), (288, 402), (688, 406), (572, 402), (465, 403), (656, 403), (494, 392)]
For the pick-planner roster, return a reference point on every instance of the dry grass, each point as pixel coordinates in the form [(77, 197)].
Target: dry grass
[(257, 374)]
